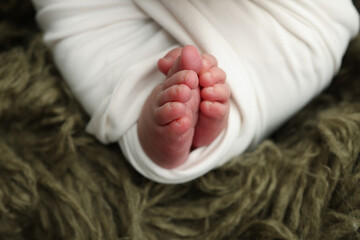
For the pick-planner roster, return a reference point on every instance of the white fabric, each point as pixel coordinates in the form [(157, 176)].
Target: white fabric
[(277, 54)]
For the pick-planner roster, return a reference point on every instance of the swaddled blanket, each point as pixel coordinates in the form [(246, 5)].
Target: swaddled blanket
[(277, 56)]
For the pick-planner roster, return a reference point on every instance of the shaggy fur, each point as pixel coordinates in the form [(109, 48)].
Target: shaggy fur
[(57, 182)]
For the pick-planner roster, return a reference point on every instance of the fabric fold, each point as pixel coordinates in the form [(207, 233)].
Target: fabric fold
[(277, 56)]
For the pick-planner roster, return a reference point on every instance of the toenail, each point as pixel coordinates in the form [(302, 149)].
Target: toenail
[(167, 59), (171, 105), (187, 75), (207, 77), (210, 90), (205, 62), (178, 89)]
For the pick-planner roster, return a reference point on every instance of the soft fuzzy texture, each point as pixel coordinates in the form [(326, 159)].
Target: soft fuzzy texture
[(57, 182)]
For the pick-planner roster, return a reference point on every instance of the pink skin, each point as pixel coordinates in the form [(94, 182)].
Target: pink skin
[(189, 109), (214, 105)]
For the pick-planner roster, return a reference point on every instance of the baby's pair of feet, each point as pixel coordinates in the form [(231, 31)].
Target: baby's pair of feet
[(188, 110)]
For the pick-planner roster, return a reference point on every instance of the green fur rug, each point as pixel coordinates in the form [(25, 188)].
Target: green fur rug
[(57, 182)]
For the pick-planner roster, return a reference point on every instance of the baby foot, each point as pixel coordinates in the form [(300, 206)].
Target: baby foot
[(214, 105), (167, 122)]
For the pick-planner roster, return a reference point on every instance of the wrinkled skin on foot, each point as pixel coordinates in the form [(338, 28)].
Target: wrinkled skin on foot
[(189, 109)]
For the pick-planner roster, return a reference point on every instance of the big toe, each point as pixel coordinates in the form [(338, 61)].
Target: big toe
[(190, 59)]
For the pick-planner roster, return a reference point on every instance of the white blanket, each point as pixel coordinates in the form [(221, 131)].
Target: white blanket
[(278, 54)]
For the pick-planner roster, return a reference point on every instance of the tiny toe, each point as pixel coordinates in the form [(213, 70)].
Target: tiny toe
[(186, 77), (165, 63), (175, 93), (169, 112), (214, 110), (174, 54), (213, 76), (217, 92)]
